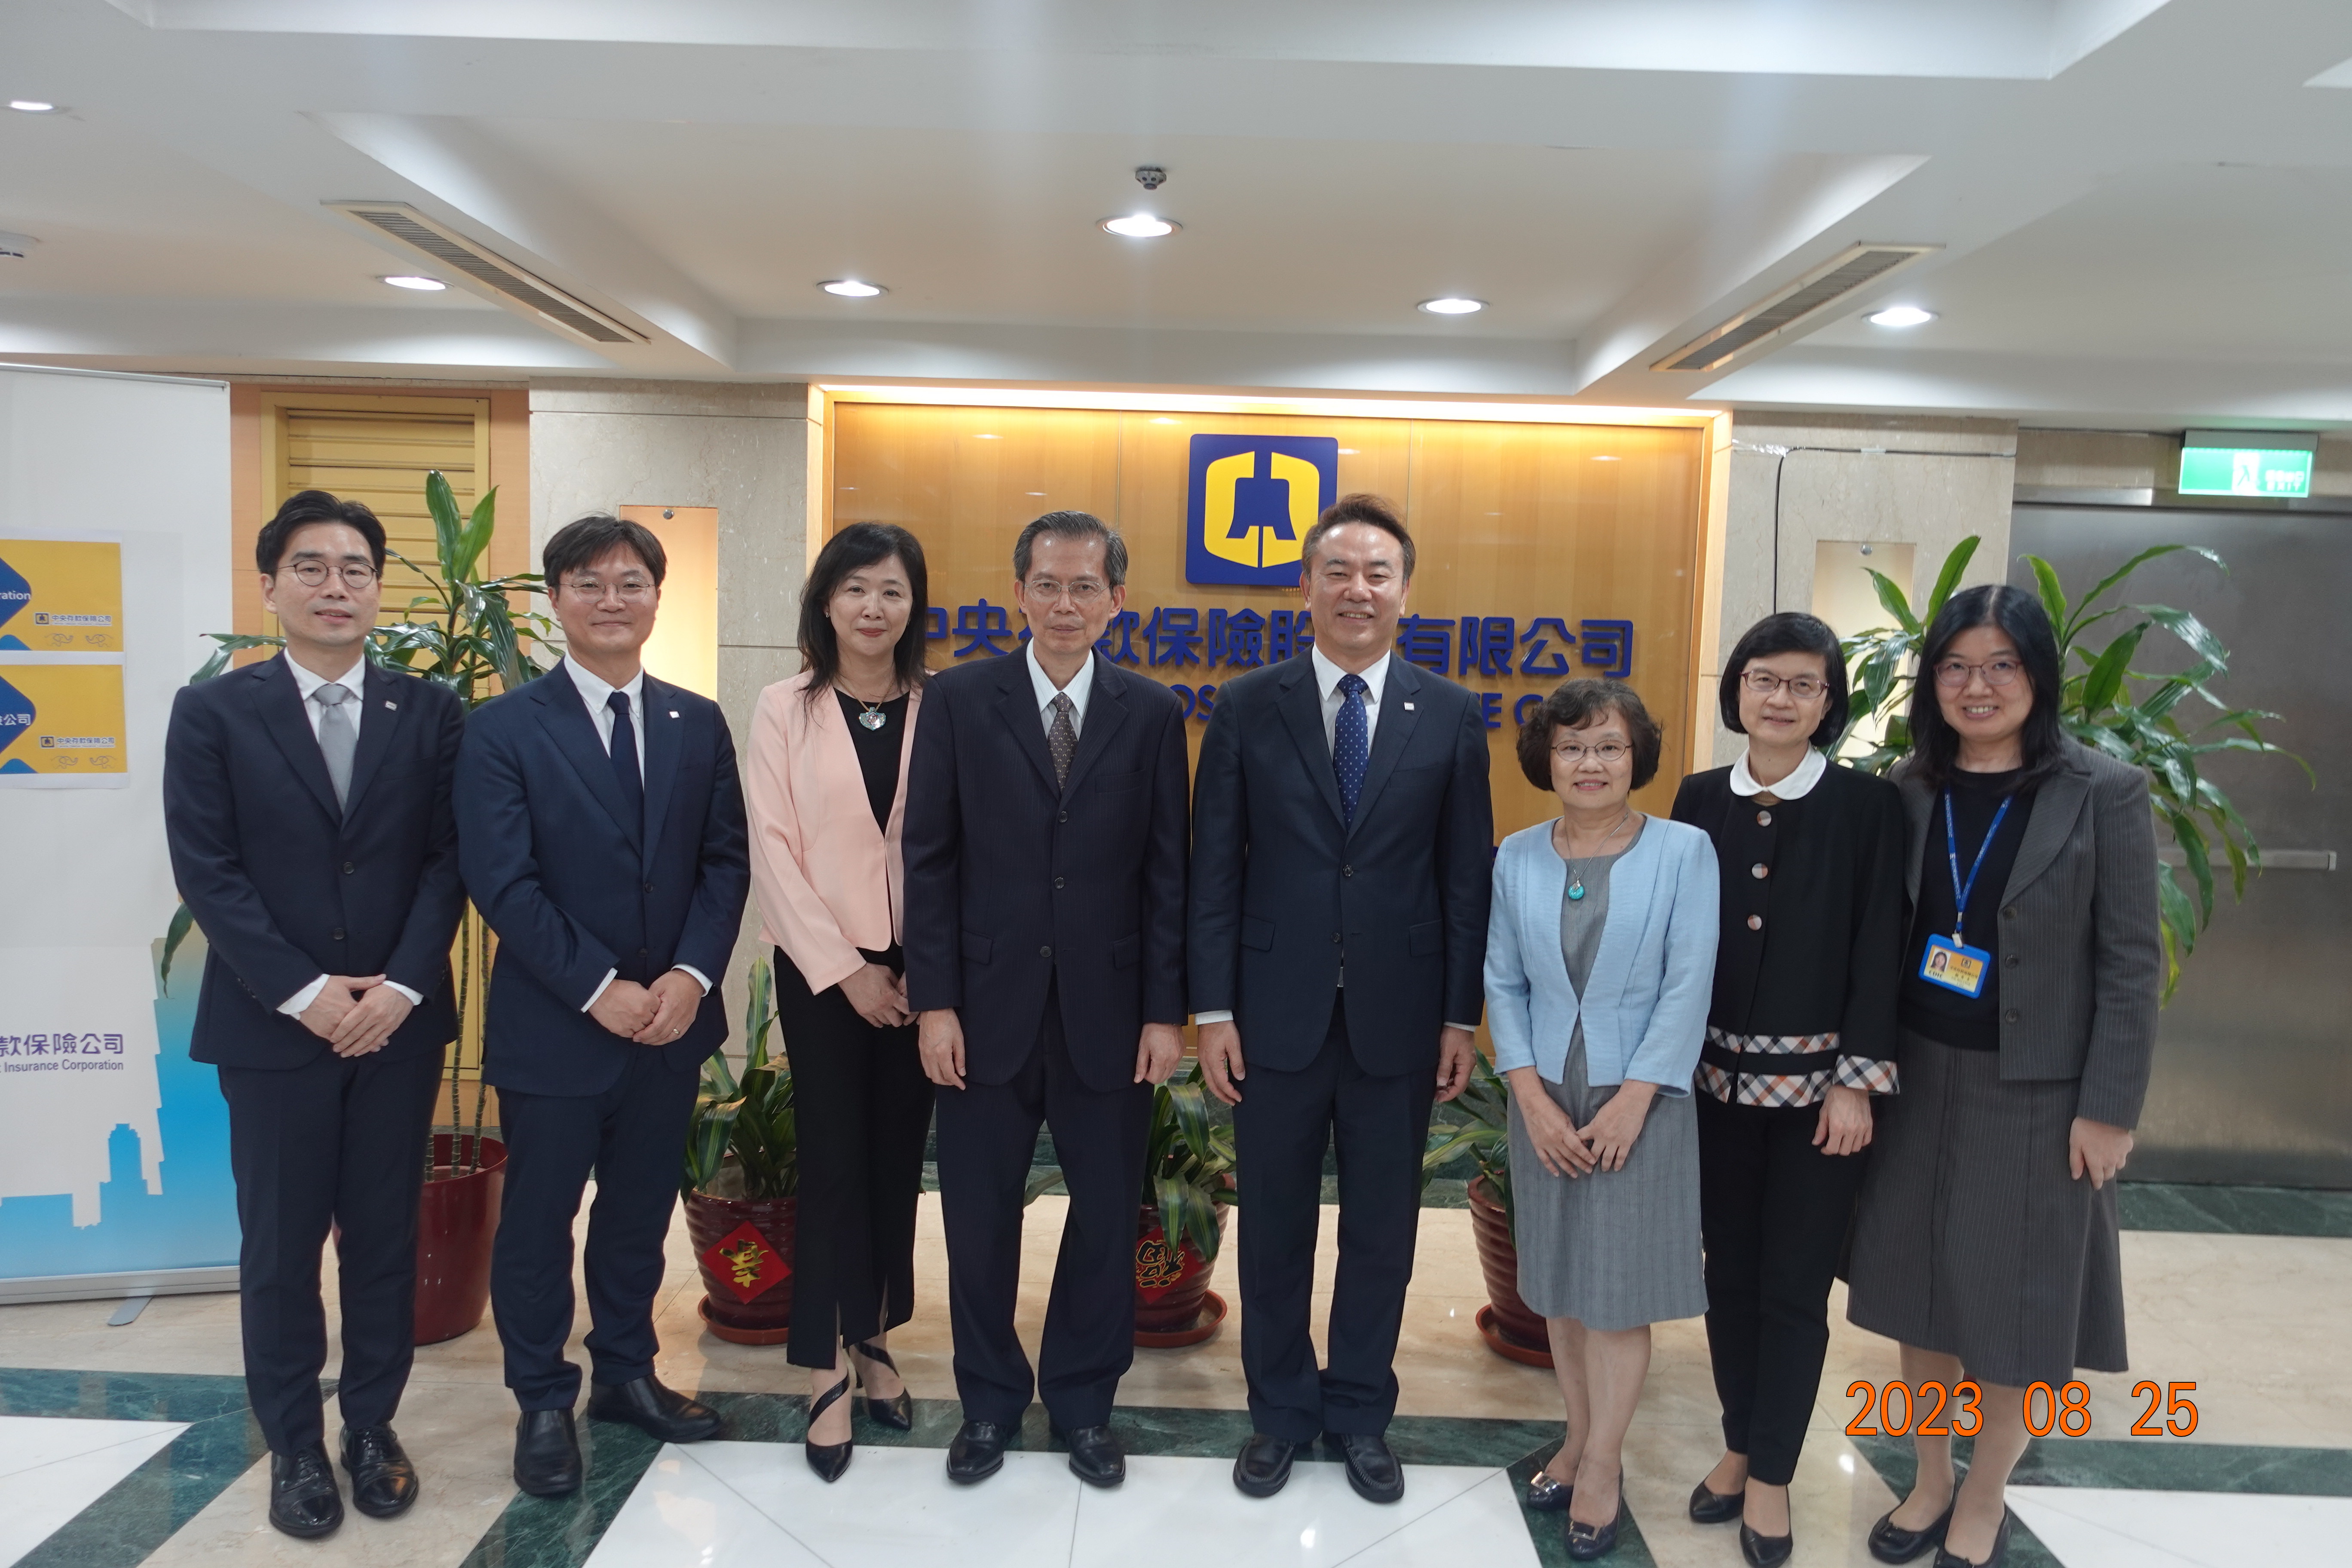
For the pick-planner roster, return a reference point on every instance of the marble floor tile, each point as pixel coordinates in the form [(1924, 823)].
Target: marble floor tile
[(1315, 1522), (2084, 1528), (52, 1467), (681, 1516), (1488, 1514), (897, 1508)]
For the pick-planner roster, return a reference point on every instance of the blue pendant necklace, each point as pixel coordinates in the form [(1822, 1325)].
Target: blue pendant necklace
[(1576, 878)]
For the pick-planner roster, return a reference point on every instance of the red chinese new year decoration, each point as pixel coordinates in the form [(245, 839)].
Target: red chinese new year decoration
[(745, 1264)]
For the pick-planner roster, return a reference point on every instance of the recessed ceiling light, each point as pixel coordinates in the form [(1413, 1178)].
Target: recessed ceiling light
[(851, 289), (1139, 226), (1901, 316), (412, 280), (1452, 305), (31, 106)]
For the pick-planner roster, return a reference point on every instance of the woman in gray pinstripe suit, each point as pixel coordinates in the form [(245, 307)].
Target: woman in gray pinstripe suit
[(1986, 1241)]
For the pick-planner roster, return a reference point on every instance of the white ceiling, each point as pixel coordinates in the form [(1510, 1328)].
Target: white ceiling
[(2140, 204)]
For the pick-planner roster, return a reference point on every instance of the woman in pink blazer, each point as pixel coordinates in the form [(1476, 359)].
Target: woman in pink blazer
[(826, 791)]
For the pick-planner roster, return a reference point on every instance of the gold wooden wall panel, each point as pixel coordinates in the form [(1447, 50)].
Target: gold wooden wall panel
[(1524, 521)]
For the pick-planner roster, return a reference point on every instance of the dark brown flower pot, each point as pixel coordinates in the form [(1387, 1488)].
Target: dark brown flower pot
[(1170, 1283), (1522, 1334), (457, 1220), (744, 1247)]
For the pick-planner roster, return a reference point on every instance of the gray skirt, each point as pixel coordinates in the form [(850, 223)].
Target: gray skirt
[(1614, 1249), (1972, 1236)]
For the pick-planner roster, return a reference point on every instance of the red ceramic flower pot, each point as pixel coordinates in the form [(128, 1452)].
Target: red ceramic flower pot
[(457, 1220), (1169, 1281), (1499, 1259), (744, 1247)]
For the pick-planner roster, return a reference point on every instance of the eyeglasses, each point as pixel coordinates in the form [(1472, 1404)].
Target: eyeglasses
[(630, 589), (1803, 687), (1610, 752), (311, 573), (1952, 674), (1082, 593)]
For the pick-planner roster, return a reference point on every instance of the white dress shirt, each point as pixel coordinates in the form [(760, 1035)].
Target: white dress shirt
[(354, 680), (595, 692), (1796, 787), (1327, 677), (1081, 687)]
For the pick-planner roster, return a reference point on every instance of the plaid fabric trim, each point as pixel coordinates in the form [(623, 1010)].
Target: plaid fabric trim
[(1870, 1077), (1758, 1089), (1799, 1088), (1771, 1045)]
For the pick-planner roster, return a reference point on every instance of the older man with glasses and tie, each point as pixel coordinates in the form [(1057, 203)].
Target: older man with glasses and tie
[(307, 805)]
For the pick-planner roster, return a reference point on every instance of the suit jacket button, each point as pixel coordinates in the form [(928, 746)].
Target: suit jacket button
[(1045, 953), (1759, 870), (1062, 816), (1335, 936), (641, 952), (1346, 870), (2010, 1016), (649, 887), (1763, 819), (2010, 960), (1755, 922), (349, 867), (2010, 913), (337, 933)]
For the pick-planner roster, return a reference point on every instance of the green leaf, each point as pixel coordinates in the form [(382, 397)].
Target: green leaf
[(474, 537), (2191, 840), (1897, 600), (1041, 1180), (184, 921), (2067, 633), (2107, 676), (2192, 631), (448, 532), (2053, 595), (1948, 578)]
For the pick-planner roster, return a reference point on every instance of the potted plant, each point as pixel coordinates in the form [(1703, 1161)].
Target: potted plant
[(464, 633), (1187, 1174), (1483, 1132), (741, 1183)]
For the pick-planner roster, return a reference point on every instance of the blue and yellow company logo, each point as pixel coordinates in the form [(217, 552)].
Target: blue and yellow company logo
[(1249, 502)]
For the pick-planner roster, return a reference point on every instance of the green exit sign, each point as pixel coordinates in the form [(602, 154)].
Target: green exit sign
[(2275, 463)]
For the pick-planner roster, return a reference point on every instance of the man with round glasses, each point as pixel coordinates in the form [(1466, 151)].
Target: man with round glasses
[(307, 805)]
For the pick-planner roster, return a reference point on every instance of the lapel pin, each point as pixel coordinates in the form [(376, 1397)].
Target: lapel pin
[(393, 706), (673, 712), (1408, 706)]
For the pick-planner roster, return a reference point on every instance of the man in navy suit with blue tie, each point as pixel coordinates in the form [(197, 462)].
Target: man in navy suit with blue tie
[(1341, 839), (602, 833), (306, 802)]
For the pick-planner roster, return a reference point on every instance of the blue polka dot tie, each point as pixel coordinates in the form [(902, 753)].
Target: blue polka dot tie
[(1351, 745)]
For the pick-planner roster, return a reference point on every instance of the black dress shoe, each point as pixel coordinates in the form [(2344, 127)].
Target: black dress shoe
[(384, 1483), (546, 1454), (663, 1412), (1264, 1464), (1714, 1508), (1890, 1543), (1546, 1494), (1589, 1541), (977, 1453), (303, 1500), (1096, 1457), (898, 1412), (828, 1459), (1949, 1558), (1372, 1470), (1765, 1550)]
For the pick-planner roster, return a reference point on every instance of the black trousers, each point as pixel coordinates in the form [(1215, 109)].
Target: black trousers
[(864, 1110), (634, 1137), (988, 1135), (1774, 1211), (337, 1141), (1282, 1127)]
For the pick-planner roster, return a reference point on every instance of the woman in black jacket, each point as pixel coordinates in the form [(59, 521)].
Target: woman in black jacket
[(1799, 1035)]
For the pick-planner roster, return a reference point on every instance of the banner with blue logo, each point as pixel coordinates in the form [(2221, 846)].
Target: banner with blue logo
[(1250, 501)]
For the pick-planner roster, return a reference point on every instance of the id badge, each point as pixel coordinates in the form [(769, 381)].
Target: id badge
[(1954, 965)]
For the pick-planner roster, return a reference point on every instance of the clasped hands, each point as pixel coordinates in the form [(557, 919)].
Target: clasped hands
[(655, 1014), (355, 1014), (1600, 1144)]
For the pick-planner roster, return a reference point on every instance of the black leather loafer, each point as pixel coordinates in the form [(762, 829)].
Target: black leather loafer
[(1548, 1495), (1264, 1465), (1096, 1457), (546, 1454), (303, 1502), (1714, 1508), (977, 1453), (1890, 1543), (384, 1483), (646, 1404), (1587, 1542), (1372, 1470), (1765, 1550), (1947, 1559)]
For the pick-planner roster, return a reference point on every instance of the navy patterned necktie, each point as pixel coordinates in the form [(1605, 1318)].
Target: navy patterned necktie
[(624, 759), (1062, 740), (1351, 745)]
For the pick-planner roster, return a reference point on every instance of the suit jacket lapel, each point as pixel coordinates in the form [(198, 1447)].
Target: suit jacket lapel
[(1017, 704), (565, 715), (1105, 712), (665, 742), (1394, 733), (2056, 805), (279, 702), (1302, 712), (378, 725)]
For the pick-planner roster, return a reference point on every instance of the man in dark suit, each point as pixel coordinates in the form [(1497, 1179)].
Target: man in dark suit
[(1044, 845), (602, 829), (1341, 840), (306, 800)]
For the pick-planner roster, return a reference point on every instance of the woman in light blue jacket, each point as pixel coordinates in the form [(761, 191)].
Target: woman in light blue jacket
[(1600, 967)]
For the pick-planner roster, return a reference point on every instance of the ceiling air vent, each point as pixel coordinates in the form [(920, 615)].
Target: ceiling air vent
[(494, 272), (1807, 297)]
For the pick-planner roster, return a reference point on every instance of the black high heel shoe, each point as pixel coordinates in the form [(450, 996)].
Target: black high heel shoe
[(898, 1412), (829, 1459)]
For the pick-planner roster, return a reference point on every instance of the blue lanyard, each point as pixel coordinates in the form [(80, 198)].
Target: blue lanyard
[(1960, 890)]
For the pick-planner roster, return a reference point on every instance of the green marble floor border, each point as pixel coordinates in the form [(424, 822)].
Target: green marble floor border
[(143, 1510), (559, 1532), (2235, 1211)]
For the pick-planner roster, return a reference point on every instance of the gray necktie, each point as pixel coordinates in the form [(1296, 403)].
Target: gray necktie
[(1062, 740), (339, 736)]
